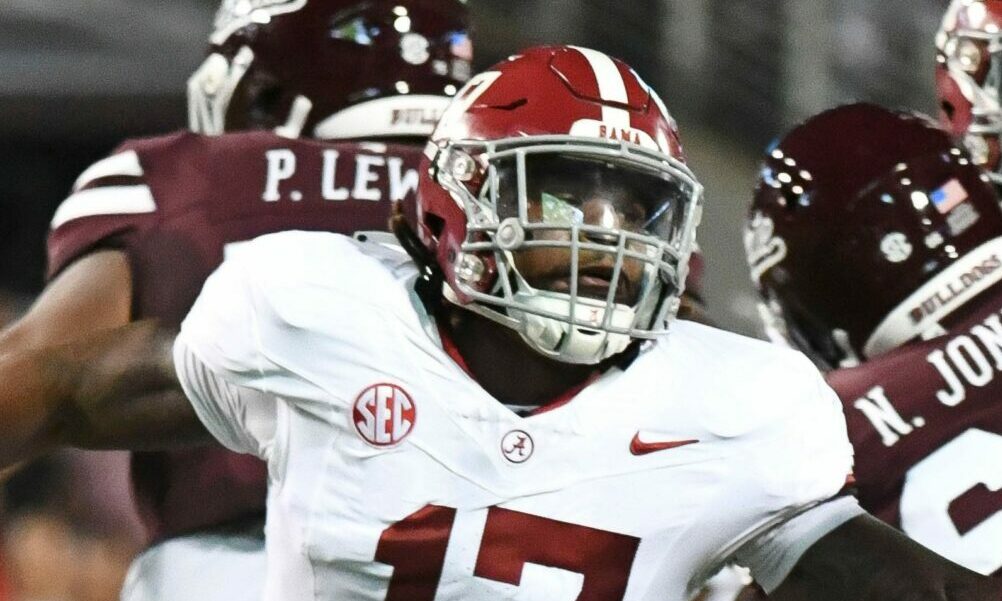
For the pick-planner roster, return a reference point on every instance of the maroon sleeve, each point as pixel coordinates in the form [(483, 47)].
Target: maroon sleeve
[(110, 200)]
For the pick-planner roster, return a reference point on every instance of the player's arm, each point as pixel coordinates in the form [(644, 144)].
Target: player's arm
[(92, 294), (59, 377), (866, 560), (112, 390)]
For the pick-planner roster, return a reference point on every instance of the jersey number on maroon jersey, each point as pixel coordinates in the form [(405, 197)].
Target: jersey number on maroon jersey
[(416, 547), (952, 501)]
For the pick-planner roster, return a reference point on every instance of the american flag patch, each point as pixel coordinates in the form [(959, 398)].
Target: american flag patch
[(461, 46), (946, 198)]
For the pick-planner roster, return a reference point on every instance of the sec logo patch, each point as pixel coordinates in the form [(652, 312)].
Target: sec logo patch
[(384, 414)]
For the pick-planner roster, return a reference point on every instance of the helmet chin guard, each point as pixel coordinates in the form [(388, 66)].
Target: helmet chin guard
[(565, 342)]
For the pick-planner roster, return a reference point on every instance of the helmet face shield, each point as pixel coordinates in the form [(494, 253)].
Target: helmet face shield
[(563, 190), (593, 234), (601, 204)]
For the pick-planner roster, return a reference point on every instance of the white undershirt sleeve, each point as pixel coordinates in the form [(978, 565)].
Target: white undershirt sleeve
[(240, 418), (772, 555)]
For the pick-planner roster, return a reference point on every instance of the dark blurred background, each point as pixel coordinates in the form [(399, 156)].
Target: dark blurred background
[(78, 76)]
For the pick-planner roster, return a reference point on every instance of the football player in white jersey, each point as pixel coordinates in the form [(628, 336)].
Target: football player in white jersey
[(420, 450), (499, 412)]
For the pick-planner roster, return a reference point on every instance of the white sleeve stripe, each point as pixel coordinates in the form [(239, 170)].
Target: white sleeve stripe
[(117, 165), (611, 86), (111, 200)]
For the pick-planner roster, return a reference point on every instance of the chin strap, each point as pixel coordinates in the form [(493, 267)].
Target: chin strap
[(849, 357), (299, 113), (430, 280)]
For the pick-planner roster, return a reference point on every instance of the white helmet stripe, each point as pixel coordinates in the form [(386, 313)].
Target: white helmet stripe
[(611, 86)]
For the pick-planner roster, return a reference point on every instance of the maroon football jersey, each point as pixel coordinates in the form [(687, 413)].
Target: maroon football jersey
[(926, 423), (174, 204)]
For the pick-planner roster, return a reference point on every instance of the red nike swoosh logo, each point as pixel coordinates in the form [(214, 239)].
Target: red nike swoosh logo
[(639, 447)]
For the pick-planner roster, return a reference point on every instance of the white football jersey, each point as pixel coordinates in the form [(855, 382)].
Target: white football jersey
[(396, 477)]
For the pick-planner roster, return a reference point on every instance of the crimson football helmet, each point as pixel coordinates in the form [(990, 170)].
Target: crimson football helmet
[(560, 148), (868, 229), (331, 68), (969, 78)]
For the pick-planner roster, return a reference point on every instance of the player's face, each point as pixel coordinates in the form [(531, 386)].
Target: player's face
[(550, 268), (563, 192)]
